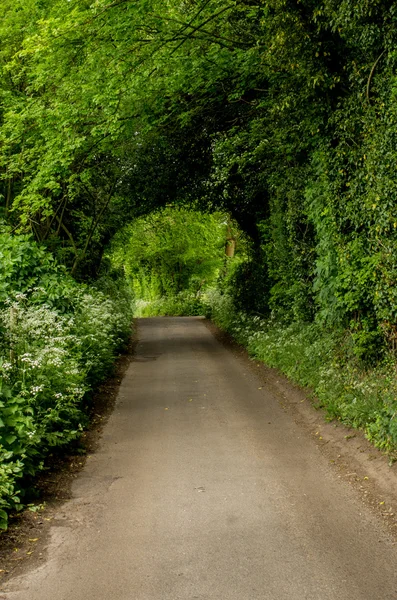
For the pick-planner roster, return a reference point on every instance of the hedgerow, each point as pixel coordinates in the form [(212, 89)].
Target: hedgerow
[(360, 396), (58, 340), (180, 305)]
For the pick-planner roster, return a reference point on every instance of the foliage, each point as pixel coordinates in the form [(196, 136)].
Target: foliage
[(324, 361), (170, 256), (183, 304), (58, 339), (281, 114)]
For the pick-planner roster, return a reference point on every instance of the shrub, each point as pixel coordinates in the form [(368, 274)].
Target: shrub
[(58, 340), (182, 304)]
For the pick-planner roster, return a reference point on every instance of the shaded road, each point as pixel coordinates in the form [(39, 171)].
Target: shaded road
[(204, 488)]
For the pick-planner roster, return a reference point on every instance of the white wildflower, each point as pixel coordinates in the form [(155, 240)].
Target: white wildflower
[(36, 389)]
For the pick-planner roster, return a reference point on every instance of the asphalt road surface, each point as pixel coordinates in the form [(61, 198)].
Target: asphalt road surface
[(204, 488)]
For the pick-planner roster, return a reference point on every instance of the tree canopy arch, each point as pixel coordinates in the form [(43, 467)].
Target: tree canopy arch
[(111, 109)]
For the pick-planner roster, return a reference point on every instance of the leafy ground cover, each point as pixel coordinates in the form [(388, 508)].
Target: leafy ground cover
[(58, 340), (323, 360), (183, 304)]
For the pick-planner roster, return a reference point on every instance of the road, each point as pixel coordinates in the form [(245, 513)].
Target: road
[(205, 488)]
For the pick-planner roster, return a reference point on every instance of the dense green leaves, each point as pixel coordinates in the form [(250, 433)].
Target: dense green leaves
[(281, 114), (172, 252), (58, 340)]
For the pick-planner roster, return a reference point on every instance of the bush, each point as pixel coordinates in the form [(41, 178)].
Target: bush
[(182, 304), (58, 340)]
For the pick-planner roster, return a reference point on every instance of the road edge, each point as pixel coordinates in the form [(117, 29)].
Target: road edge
[(354, 458)]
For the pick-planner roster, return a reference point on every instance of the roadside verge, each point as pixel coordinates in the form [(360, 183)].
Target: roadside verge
[(354, 458)]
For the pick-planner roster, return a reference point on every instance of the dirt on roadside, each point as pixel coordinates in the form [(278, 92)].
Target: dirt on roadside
[(356, 460), (25, 539), (364, 467)]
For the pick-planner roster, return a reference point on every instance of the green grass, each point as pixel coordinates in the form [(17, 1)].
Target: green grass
[(323, 360)]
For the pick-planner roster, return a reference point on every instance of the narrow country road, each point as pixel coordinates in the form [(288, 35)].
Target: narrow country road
[(204, 488)]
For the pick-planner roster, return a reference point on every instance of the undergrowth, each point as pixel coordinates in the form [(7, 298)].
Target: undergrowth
[(355, 394), (58, 340), (182, 304)]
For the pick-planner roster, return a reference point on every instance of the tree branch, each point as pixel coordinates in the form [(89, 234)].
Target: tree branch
[(80, 257), (372, 74)]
